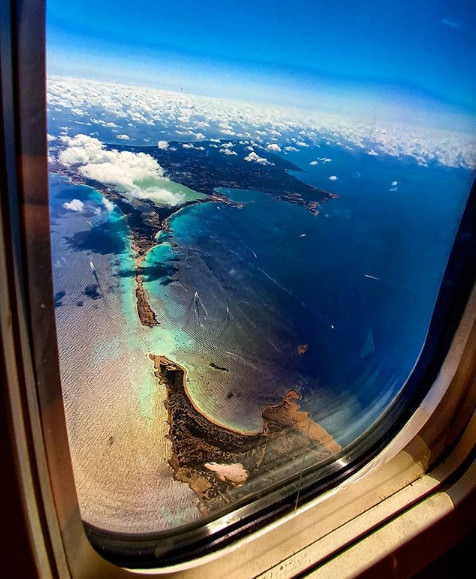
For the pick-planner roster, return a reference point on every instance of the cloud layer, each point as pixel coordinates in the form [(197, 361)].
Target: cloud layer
[(147, 115)]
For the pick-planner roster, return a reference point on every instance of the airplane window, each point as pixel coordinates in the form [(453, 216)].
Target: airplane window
[(252, 210)]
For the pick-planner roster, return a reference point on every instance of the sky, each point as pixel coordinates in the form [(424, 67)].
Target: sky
[(332, 54)]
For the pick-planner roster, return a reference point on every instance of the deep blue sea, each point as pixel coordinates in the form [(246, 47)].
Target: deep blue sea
[(336, 306), (356, 285)]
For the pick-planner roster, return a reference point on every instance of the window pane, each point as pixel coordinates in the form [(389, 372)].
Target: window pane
[(251, 213)]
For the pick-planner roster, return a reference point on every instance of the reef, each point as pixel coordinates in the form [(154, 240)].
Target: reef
[(216, 367)]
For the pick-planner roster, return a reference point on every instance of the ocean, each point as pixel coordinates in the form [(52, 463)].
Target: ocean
[(355, 285), (258, 300)]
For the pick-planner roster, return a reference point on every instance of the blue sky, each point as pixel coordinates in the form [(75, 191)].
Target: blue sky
[(414, 53)]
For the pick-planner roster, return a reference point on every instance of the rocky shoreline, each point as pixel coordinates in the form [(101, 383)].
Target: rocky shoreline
[(146, 313), (153, 222), (216, 462)]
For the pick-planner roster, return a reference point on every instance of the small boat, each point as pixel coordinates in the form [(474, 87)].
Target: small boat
[(199, 305)]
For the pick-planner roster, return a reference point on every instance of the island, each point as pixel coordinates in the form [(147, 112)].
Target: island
[(205, 166), (217, 462)]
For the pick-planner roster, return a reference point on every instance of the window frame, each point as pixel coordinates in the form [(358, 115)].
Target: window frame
[(414, 467)]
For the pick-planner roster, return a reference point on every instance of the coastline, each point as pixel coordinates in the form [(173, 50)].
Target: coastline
[(215, 461), (146, 314)]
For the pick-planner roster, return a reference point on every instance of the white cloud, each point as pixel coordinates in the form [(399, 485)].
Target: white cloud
[(332, 178), (313, 163), (274, 147), (109, 205), (228, 152), (135, 175), (372, 153), (163, 145), (255, 158), (74, 205), (123, 137)]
